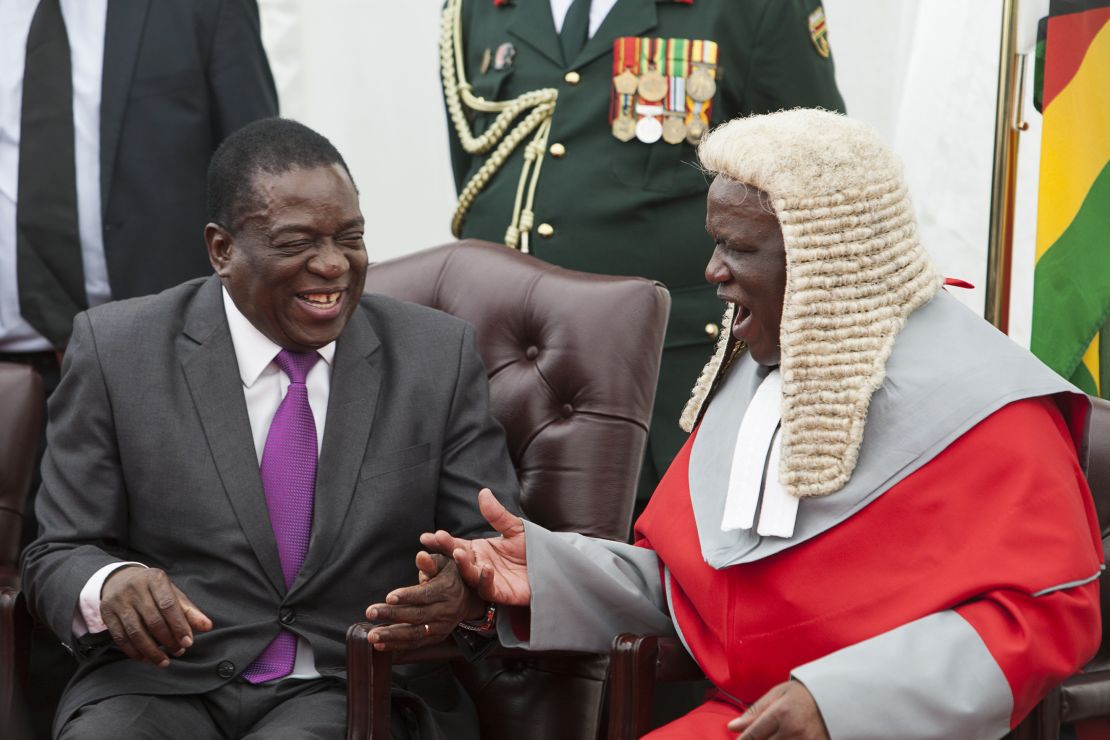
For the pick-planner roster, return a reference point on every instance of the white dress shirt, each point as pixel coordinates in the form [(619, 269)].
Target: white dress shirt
[(264, 386), (85, 22), (598, 10)]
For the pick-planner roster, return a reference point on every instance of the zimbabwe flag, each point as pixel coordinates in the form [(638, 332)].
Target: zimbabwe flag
[(1071, 283)]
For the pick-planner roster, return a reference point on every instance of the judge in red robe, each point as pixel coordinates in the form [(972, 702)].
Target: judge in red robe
[(879, 526)]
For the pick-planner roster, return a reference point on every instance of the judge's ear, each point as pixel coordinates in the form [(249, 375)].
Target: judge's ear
[(219, 242)]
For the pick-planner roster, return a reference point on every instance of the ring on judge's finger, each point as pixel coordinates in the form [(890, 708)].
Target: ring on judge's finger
[(427, 630)]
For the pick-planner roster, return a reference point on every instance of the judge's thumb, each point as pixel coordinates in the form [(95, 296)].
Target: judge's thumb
[(497, 515)]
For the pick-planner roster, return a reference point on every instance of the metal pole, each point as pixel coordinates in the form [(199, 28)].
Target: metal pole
[(1008, 124)]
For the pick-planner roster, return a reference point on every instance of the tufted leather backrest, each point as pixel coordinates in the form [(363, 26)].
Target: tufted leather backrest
[(572, 361), (21, 418)]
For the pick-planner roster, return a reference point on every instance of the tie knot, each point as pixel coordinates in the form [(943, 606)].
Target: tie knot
[(296, 364)]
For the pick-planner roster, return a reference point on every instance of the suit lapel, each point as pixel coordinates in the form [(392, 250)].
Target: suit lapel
[(355, 382), (532, 23), (627, 18), (212, 374), (122, 33)]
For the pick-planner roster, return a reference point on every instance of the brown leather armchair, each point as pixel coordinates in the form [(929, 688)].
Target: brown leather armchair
[(572, 361), (21, 398), (638, 662)]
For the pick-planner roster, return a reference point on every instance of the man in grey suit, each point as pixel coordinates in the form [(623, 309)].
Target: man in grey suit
[(238, 466)]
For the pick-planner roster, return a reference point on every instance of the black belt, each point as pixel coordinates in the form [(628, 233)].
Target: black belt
[(44, 361)]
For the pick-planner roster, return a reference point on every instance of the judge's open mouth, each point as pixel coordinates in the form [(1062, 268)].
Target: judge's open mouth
[(741, 321)]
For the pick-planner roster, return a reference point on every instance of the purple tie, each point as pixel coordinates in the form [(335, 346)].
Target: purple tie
[(289, 480)]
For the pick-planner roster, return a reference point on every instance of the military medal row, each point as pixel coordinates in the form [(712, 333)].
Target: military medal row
[(662, 89)]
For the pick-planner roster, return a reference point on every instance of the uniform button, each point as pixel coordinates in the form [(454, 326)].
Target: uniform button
[(572, 78), (226, 669), (287, 616), (558, 150), (545, 230), (712, 330)]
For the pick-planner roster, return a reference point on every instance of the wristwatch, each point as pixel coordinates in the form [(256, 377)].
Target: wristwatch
[(488, 624)]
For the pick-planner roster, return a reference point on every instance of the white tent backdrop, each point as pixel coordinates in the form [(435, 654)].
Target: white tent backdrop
[(923, 72)]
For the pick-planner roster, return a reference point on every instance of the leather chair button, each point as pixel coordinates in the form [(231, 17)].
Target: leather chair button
[(567, 410), (532, 353), (226, 669), (287, 616)]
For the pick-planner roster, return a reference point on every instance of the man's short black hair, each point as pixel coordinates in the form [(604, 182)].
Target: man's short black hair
[(273, 146)]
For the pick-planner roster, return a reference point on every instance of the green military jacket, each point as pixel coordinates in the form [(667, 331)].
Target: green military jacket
[(630, 208)]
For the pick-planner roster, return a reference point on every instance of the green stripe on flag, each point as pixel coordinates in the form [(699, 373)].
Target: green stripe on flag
[(1071, 284)]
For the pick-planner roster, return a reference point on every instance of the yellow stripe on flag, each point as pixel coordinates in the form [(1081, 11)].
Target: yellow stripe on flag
[(1076, 142), (1090, 359)]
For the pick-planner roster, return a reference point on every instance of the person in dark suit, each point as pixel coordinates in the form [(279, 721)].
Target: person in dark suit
[(155, 87), (606, 100), (238, 466)]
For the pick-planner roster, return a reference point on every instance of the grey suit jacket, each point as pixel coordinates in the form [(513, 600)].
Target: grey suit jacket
[(150, 458)]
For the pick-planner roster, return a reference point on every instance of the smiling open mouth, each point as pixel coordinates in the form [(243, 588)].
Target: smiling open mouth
[(321, 300)]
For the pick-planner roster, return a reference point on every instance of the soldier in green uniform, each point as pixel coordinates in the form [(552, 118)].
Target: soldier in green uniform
[(573, 127)]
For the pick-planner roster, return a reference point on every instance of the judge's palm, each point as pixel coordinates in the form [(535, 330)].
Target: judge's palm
[(496, 567)]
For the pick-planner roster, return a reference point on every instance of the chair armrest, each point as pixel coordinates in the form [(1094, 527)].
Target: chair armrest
[(636, 664), (1085, 696), (370, 676), (15, 641)]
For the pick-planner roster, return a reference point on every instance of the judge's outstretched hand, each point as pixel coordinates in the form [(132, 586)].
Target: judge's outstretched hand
[(497, 567)]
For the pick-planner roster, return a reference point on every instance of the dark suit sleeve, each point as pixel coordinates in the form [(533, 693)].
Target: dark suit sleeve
[(240, 83), (82, 503), (474, 453), (786, 70)]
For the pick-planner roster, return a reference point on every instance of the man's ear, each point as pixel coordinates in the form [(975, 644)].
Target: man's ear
[(219, 243)]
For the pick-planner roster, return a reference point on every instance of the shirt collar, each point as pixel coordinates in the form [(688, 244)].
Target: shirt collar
[(254, 351)]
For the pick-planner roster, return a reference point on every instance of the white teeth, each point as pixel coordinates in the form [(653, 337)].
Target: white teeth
[(321, 299)]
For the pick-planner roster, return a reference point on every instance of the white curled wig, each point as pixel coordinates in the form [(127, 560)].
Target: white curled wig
[(854, 271)]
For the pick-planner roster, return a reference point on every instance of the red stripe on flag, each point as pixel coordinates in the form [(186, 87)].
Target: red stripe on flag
[(1067, 41)]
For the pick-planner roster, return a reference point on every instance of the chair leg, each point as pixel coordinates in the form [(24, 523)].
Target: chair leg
[(369, 676), (631, 685), (1043, 723)]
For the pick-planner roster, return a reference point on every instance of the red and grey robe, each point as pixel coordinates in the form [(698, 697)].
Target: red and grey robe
[(940, 597)]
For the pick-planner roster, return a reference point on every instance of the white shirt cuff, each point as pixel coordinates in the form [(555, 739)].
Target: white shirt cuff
[(86, 617)]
